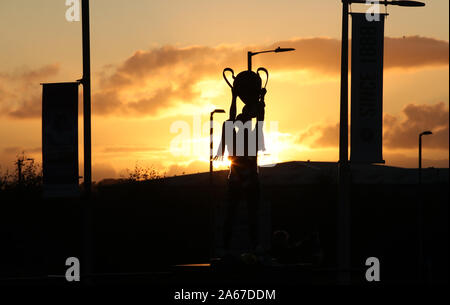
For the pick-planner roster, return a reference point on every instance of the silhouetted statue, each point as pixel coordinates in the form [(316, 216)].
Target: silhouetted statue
[(243, 181)]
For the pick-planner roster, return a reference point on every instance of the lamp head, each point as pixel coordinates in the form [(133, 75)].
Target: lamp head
[(425, 133), (218, 111), (407, 3), (278, 50)]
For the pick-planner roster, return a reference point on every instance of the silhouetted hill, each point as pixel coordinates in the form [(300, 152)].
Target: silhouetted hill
[(298, 172)]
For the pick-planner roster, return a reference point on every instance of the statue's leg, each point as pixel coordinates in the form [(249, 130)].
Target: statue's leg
[(231, 210), (252, 196)]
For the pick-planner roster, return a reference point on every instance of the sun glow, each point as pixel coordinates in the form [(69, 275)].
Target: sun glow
[(222, 164)]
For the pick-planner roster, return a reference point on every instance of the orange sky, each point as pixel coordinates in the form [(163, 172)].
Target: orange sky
[(156, 63)]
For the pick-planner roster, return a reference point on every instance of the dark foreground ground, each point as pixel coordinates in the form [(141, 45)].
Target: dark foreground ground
[(139, 231)]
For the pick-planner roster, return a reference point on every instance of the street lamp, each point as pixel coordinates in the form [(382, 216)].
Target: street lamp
[(344, 202), (398, 3), (420, 210), (211, 143), (211, 157), (277, 50), (250, 54), (425, 133), (86, 82)]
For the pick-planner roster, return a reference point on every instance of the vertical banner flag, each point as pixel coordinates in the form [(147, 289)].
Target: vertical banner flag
[(366, 142), (60, 139)]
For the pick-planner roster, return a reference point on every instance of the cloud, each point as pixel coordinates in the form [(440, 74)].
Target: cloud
[(156, 82), (21, 93), (323, 54), (151, 81), (320, 136), (30, 76), (165, 77), (404, 132), (400, 132), (415, 51)]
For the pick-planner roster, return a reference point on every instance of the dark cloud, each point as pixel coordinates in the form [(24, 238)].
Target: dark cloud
[(323, 54), (404, 132), (28, 107), (415, 51), (31, 76), (21, 92), (321, 136), (400, 132), (171, 74)]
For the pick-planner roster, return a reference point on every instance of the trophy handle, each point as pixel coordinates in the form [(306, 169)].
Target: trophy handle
[(267, 74), (225, 77)]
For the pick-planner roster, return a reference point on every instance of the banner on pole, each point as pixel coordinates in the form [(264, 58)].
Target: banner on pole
[(60, 139), (366, 129)]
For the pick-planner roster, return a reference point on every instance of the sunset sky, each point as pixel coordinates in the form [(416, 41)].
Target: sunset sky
[(156, 63)]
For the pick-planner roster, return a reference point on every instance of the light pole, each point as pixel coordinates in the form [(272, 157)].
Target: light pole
[(86, 81), (250, 54), (277, 50), (211, 143), (420, 210), (88, 247), (211, 158), (425, 133), (343, 241)]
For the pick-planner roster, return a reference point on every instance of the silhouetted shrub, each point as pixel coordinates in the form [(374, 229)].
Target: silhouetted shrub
[(30, 176), (141, 173)]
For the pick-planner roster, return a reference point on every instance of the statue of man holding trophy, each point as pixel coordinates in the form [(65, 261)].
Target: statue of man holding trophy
[(243, 143)]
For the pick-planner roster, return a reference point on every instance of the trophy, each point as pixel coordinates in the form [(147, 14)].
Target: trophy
[(248, 86)]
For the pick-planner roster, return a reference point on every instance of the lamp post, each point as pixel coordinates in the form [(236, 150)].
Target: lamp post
[(425, 133), (211, 156), (211, 143), (88, 244), (86, 81), (277, 50), (250, 54), (420, 210), (343, 251)]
